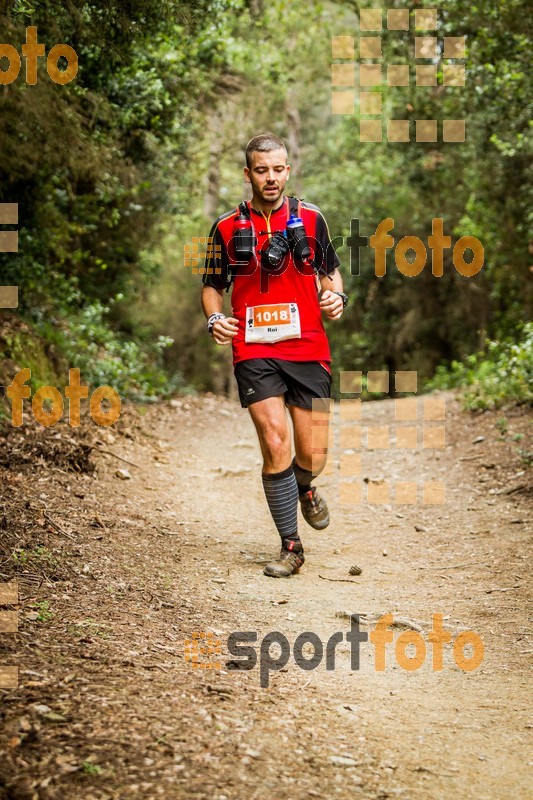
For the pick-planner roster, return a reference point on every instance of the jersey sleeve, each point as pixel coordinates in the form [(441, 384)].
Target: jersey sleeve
[(326, 255), (216, 261)]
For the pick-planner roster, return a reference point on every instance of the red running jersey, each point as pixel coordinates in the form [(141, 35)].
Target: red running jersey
[(294, 283)]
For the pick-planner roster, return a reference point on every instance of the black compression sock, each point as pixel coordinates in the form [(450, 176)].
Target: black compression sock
[(303, 477), (281, 491)]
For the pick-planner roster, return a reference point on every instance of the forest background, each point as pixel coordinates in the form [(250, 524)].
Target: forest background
[(117, 171)]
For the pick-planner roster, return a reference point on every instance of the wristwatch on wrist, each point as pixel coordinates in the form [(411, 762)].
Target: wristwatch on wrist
[(344, 298)]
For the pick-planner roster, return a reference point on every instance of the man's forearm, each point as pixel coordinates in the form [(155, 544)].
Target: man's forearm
[(212, 300), (333, 281)]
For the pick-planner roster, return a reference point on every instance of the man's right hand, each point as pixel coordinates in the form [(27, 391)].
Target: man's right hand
[(225, 329)]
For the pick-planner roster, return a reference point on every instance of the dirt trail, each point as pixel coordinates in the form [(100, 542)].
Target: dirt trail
[(179, 548)]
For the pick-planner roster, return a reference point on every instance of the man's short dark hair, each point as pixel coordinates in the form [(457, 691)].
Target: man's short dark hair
[(263, 144)]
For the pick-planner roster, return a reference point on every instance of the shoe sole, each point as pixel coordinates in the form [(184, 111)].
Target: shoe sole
[(317, 526), (276, 575)]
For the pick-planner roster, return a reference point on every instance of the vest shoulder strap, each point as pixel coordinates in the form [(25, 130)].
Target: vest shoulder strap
[(295, 206)]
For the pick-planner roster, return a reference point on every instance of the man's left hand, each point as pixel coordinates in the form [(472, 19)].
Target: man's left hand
[(331, 304)]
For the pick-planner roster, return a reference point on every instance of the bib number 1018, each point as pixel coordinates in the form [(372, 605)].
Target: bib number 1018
[(271, 316)]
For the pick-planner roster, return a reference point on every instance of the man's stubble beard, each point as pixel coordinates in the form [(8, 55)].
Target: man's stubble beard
[(271, 198)]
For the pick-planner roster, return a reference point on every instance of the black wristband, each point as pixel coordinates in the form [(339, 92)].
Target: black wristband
[(211, 321)]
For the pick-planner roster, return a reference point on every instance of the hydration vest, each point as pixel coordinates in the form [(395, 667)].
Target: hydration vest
[(243, 208)]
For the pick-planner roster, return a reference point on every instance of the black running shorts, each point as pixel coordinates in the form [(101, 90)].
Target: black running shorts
[(299, 381)]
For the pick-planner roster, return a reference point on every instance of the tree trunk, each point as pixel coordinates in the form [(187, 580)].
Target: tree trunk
[(212, 189), (256, 8), (293, 145)]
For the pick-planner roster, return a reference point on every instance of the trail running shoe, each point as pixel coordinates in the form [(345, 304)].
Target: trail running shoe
[(290, 560), (315, 509)]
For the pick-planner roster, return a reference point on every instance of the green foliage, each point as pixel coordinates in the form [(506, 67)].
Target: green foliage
[(502, 425), (21, 347), (133, 368), (44, 613), (525, 456), (91, 769), (502, 374), (116, 171), (94, 164), (38, 557), (81, 628)]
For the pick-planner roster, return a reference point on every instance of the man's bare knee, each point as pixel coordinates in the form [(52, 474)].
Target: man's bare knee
[(270, 420), (276, 440)]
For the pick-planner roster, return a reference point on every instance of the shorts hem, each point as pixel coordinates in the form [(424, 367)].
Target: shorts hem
[(308, 408), (258, 399), (299, 383), (299, 405)]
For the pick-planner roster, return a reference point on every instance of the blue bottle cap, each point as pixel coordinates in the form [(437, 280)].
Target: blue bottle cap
[(294, 221)]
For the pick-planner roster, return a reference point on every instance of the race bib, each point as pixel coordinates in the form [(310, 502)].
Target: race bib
[(272, 323)]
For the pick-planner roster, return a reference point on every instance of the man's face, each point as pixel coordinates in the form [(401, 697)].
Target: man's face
[(268, 174)]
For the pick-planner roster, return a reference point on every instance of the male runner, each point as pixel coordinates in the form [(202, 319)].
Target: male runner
[(284, 363)]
